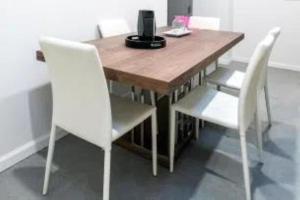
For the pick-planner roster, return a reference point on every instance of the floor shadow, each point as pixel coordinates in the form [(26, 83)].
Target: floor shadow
[(199, 173), (78, 168), (274, 149), (261, 181)]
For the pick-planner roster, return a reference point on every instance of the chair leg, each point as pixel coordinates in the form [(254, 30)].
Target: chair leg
[(110, 86), (49, 159), (194, 82), (177, 116), (153, 98), (172, 138), (143, 124), (154, 143), (217, 64), (142, 134), (259, 134), (186, 88), (133, 99), (106, 176), (181, 117), (200, 78), (204, 83), (202, 123), (246, 170), (218, 87), (266, 90), (197, 128)]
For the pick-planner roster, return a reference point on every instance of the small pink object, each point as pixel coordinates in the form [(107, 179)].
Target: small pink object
[(185, 20)]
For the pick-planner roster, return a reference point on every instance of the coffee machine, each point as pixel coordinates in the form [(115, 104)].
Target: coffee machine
[(146, 38), (146, 24)]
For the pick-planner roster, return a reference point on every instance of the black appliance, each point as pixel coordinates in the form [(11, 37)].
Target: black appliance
[(146, 38), (146, 24)]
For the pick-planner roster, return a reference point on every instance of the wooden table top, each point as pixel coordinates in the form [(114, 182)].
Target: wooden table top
[(162, 70)]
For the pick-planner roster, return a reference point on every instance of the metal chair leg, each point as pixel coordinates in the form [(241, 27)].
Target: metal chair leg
[(143, 124), (110, 86), (180, 115), (200, 78), (133, 98), (172, 139), (153, 103), (177, 116), (202, 82), (197, 128), (153, 99), (154, 143), (217, 64)]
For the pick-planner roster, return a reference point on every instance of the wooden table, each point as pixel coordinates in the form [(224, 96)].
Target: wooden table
[(162, 70)]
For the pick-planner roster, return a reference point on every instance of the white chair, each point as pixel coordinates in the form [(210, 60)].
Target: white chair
[(210, 23), (82, 104), (227, 110), (233, 79), (110, 28), (113, 27)]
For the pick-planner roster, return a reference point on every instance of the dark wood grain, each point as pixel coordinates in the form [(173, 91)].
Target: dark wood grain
[(162, 70)]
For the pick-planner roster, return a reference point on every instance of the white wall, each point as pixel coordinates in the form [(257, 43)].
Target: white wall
[(216, 8), (25, 94), (255, 18)]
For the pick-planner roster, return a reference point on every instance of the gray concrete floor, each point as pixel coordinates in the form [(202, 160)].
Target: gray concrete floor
[(209, 169)]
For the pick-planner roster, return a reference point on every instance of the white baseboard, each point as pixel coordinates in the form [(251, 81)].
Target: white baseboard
[(271, 64), (26, 150), (285, 66), (225, 61)]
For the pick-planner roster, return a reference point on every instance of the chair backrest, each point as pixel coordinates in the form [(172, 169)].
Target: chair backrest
[(81, 103), (251, 83), (275, 32), (113, 27), (210, 23)]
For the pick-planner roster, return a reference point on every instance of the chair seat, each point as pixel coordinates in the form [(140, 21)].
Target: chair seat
[(210, 105), (226, 77), (127, 114)]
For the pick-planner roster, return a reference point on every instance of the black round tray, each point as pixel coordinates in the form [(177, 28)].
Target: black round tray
[(135, 41)]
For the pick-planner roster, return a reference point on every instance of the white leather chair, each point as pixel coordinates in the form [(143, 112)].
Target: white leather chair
[(210, 23), (227, 110), (113, 27), (233, 79), (83, 106), (110, 28)]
